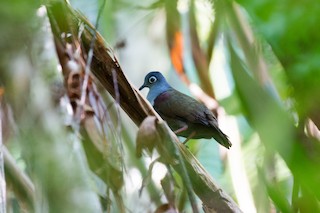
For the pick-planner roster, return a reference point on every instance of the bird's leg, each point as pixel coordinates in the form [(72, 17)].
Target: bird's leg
[(189, 137), (184, 128)]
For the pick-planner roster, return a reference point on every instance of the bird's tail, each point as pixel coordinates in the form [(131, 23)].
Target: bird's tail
[(222, 138)]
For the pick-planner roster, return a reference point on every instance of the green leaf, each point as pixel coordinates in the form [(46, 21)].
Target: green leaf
[(275, 193), (275, 127), (231, 104)]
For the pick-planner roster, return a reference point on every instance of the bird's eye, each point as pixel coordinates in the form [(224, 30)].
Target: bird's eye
[(152, 79)]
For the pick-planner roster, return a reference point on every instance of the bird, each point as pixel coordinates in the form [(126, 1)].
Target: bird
[(184, 115)]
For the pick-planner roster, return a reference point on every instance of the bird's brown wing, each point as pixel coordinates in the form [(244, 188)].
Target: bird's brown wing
[(176, 105)]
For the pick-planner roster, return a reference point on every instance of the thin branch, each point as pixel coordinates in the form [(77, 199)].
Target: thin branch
[(87, 67), (23, 187), (245, 38), (117, 101), (186, 179), (295, 195)]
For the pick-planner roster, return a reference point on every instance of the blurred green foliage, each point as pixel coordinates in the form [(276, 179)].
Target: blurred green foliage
[(290, 29), (280, 160)]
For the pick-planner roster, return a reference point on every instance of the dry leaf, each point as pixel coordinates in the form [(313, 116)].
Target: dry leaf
[(166, 208), (148, 136)]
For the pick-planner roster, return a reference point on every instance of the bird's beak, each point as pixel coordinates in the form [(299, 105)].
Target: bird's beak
[(143, 86)]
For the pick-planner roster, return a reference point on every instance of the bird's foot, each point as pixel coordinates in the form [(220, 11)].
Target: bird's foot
[(189, 137)]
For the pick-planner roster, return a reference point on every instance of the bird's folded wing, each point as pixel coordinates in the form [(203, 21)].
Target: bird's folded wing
[(176, 105)]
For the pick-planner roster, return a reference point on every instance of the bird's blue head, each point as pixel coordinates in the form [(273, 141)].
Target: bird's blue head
[(156, 83)]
